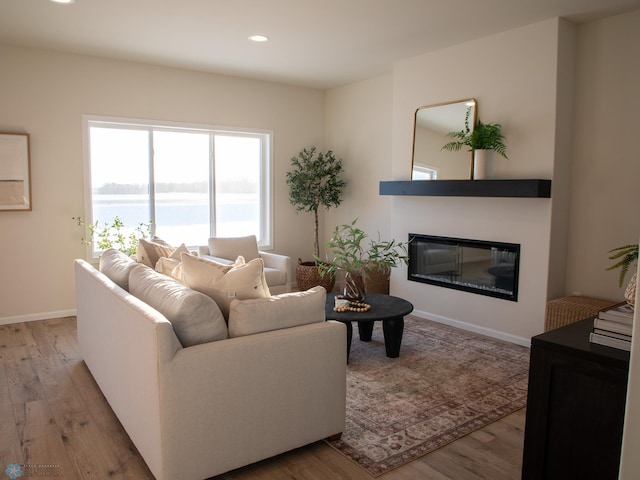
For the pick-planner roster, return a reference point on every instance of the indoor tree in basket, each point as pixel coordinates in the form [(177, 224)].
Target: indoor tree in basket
[(314, 181), (483, 137), (359, 261), (626, 256)]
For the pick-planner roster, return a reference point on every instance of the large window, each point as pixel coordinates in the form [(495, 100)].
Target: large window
[(189, 182)]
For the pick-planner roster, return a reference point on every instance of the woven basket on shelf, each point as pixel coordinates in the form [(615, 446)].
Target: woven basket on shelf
[(565, 310)]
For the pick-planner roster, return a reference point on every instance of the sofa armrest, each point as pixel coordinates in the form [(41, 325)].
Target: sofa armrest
[(269, 392)]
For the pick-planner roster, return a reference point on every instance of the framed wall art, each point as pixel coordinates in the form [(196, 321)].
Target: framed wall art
[(15, 172)]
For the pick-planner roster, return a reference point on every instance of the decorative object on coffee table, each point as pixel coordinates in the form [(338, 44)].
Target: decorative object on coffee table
[(347, 252)]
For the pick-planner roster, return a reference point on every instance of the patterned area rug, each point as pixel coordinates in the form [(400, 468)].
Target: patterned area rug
[(446, 384)]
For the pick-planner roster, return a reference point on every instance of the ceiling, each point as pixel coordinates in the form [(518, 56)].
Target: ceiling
[(318, 44)]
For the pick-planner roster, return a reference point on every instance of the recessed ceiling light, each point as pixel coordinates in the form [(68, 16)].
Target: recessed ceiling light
[(259, 38), (62, 1)]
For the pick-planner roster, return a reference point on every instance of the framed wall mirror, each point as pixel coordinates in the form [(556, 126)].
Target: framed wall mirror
[(431, 126)]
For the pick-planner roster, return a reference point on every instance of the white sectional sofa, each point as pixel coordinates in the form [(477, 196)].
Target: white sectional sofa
[(201, 410)]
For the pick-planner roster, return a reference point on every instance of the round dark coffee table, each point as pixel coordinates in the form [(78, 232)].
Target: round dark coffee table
[(385, 308)]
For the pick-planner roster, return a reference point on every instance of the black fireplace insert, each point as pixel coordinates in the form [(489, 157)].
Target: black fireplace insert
[(476, 266)]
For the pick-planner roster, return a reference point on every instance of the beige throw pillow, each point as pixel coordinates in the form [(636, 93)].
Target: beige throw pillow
[(233, 247), (225, 283), (195, 318), (149, 252), (247, 317), (172, 265)]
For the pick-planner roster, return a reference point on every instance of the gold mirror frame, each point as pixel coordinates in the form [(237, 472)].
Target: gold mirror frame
[(432, 123)]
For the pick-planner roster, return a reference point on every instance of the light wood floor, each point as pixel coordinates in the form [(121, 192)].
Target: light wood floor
[(54, 417)]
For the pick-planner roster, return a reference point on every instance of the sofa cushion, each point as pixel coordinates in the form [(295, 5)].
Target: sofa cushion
[(247, 317), (149, 251), (116, 265), (195, 317), (233, 247), (224, 283)]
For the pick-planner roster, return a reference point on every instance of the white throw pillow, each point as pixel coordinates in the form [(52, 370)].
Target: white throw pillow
[(233, 247), (225, 283), (149, 252), (247, 317), (166, 265), (116, 265), (195, 317), (172, 265)]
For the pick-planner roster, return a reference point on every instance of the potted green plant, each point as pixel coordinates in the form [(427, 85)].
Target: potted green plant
[(314, 181), (626, 256), (360, 261), (483, 137)]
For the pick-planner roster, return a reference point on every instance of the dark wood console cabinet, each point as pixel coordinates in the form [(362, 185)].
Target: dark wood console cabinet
[(575, 406)]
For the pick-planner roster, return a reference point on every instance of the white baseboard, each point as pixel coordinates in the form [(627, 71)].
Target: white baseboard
[(36, 316), (525, 342)]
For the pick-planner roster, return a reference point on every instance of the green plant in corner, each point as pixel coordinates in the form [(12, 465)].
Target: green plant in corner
[(484, 136), (626, 256), (112, 235), (314, 183)]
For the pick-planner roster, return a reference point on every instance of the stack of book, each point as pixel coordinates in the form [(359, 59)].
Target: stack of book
[(613, 326)]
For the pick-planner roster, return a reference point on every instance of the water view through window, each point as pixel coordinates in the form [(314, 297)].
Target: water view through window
[(189, 184)]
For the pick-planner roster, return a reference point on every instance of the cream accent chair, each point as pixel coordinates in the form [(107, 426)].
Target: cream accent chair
[(277, 268)]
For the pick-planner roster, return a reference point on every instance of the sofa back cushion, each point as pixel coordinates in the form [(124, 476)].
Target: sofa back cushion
[(195, 317), (233, 247), (116, 265), (224, 283), (247, 317)]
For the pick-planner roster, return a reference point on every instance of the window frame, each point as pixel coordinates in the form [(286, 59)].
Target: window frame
[(266, 166)]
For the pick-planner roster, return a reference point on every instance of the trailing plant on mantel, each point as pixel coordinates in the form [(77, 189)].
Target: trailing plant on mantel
[(484, 136), (112, 235)]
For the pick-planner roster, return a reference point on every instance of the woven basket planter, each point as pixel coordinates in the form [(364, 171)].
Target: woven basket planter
[(307, 276), (377, 281)]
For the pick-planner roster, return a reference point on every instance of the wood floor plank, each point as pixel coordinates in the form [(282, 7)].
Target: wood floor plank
[(10, 451), (42, 445), (83, 437), (38, 340), (22, 380), (11, 335), (113, 434)]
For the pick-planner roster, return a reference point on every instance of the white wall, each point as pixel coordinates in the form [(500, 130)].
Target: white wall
[(516, 86), (45, 95), (358, 129), (606, 163)]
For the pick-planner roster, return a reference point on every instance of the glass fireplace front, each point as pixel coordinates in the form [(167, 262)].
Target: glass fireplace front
[(477, 266)]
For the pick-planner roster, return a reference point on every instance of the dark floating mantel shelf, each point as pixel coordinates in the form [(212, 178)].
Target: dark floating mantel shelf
[(469, 188)]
